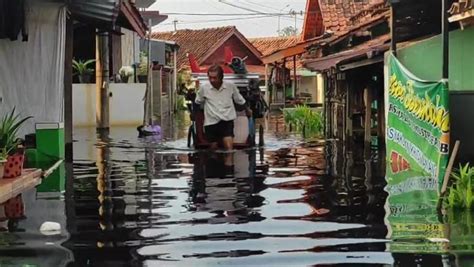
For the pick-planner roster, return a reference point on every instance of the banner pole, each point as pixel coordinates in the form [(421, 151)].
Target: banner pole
[(447, 174), (445, 38), (393, 43)]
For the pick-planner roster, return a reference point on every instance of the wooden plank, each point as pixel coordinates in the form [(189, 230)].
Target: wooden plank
[(368, 120), (68, 99), (462, 16), (12, 187), (287, 52)]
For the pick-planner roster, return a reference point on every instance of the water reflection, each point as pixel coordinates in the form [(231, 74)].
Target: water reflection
[(136, 202), (157, 206), (22, 243), (230, 193)]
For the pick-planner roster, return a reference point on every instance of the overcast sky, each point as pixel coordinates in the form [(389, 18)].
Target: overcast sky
[(250, 25)]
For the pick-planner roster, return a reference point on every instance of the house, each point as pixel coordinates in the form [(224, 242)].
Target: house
[(351, 60), (208, 45), (125, 24), (307, 82), (419, 49), (37, 78), (325, 21), (128, 26)]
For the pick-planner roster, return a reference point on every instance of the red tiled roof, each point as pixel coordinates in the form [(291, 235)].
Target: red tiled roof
[(338, 14), (313, 20), (197, 42), (341, 17), (268, 45)]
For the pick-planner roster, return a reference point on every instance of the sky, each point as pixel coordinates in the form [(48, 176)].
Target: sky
[(264, 24)]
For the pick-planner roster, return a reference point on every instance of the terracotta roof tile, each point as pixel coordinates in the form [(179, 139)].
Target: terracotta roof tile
[(268, 45), (338, 15), (197, 42)]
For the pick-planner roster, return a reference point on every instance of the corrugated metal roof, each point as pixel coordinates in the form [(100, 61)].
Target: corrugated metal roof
[(144, 3), (102, 11), (379, 44)]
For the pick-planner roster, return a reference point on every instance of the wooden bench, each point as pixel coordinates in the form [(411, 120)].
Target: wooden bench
[(10, 188)]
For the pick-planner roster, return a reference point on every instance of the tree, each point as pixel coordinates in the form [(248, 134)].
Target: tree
[(288, 31)]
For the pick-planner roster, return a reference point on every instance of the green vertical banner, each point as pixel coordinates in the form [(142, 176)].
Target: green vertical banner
[(417, 132), (417, 146)]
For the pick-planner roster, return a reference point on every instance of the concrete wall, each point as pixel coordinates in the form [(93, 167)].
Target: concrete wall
[(424, 59), (314, 86), (126, 104)]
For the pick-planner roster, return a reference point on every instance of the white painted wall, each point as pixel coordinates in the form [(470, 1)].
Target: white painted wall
[(313, 85), (83, 107), (126, 104), (309, 85), (321, 89)]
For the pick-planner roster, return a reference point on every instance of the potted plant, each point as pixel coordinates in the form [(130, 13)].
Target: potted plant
[(125, 73), (3, 161), (83, 70), (9, 144)]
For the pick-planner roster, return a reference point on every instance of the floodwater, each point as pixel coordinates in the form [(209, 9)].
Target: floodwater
[(150, 202)]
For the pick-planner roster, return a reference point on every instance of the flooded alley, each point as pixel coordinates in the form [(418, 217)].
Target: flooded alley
[(236, 133), (145, 202)]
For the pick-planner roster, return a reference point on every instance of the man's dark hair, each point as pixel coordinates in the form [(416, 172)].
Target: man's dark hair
[(218, 69)]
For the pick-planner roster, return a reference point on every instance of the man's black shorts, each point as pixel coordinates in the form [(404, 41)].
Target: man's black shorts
[(215, 133)]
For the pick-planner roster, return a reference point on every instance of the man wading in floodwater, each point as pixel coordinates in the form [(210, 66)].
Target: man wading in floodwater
[(218, 98)]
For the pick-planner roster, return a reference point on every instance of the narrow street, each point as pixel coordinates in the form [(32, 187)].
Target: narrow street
[(140, 202), (236, 133)]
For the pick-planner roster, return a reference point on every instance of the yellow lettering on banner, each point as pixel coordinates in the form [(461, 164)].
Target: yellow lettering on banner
[(422, 108)]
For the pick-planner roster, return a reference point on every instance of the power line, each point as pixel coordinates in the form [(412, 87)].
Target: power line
[(250, 9), (239, 7), (231, 14), (216, 20), (260, 5), (221, 14)]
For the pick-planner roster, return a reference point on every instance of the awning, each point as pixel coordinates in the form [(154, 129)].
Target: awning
[(363, 52), (107, 14), (294, 50), (144, 3), (131, 19), (102, 13), (155, 17), (288, 52)]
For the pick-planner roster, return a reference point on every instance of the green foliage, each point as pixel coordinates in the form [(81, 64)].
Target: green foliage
[(305, 120), (461, 195), (288, 31), (82, 67), (142, 69), (9, 126), (184, 81), (181, 102)]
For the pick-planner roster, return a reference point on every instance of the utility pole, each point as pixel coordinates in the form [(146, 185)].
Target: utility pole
[(293, 12), (102, 80), (175, 22)]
